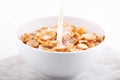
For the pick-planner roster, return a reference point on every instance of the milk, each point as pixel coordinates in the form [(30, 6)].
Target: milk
[(60, 22)]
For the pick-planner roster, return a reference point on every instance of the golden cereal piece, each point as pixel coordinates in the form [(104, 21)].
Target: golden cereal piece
[(50, 44), (82, 46), (33, 43), (91, 44), (89, 36), (72, 38), (102, 38), (46, 34), (81, 30), (73, 29), (26, 37), (60, 48), (72, 48)]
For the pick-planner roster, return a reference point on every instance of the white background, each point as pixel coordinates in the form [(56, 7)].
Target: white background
[(14, 13)]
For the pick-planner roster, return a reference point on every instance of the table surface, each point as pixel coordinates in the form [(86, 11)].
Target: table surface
[(14, 13), (107, 67)]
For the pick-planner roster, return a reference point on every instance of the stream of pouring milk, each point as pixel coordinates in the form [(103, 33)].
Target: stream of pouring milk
[(60, 22)]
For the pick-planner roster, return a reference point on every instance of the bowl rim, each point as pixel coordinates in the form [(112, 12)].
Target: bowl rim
[(52, 52)]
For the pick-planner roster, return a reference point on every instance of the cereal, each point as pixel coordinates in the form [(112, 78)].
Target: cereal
[(33, 43), (74, 39), (102, 38), (81, 30), (50, 44), (89, 36), (82, 46)]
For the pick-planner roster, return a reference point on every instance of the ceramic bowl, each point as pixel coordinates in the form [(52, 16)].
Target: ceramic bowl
[(60, 65)]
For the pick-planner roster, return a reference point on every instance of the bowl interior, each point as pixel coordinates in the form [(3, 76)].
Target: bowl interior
[(49, 21)]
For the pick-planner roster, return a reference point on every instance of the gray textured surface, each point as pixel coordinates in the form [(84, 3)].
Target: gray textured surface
[(107, 68), (15, 68)]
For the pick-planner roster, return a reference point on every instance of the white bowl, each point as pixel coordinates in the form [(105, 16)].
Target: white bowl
[(60, 65)]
